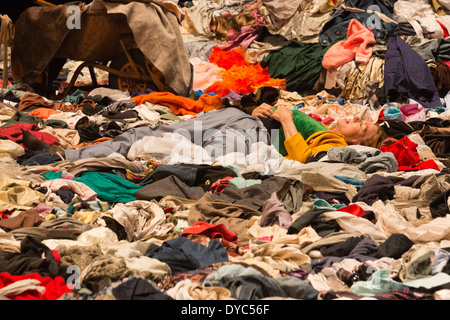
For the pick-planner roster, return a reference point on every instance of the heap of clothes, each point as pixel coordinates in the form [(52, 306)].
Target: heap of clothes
[(146, 221)]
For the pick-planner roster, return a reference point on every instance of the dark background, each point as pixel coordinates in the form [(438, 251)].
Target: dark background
[(13, 8)]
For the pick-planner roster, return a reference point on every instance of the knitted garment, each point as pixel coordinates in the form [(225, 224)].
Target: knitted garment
[(358, 47)]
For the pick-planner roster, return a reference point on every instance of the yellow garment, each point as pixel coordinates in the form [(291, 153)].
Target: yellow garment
[(18, 194), (298, 149)]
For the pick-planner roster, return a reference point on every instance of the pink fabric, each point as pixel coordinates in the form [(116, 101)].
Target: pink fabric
[(412, 112), (358, 47), (205, 74)]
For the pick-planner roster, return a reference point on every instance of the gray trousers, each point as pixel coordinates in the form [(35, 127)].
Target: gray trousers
[(218, 132)]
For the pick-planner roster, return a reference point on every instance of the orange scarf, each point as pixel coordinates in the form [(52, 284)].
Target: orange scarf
[(179, 104)]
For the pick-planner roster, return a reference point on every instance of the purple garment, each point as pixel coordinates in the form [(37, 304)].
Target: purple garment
[(244, 37), (275, 213), (233, 96), (407, 75)]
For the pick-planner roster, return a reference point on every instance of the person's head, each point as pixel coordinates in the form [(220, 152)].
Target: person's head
[(362, 132)]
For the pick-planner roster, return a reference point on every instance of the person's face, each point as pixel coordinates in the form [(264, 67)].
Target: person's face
[(355, 130)]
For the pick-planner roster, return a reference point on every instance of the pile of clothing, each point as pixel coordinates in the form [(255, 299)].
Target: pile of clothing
[(103, 196)]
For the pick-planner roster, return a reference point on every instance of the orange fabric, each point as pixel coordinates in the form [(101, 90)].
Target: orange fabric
[(227, 59), (43, 113), (179, 104), (239, 75), (97, 141)]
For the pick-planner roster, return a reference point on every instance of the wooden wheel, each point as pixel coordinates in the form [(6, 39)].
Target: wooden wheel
[(122, 64), (131, 85)]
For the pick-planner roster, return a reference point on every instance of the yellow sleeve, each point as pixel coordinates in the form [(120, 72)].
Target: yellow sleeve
[(300, 149)]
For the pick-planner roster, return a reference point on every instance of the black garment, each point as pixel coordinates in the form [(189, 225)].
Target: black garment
[(193, 175), (363, 251), (34, 257), (207, 174), (66, 195), (36, 158), (182, 254), (138, 289), (254, 196), (316, 157), (92, 110), (331, 196), (101, 100), (377, 188), (439, 207), (394, 246), (116, 227), (127, 114), (310, 218), (396, 129), (340, 249), (262, 95), (162, 171), (271, 124)]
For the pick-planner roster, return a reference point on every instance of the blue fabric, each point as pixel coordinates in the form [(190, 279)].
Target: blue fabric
[(406, 74), (335, 29), (392, 114)]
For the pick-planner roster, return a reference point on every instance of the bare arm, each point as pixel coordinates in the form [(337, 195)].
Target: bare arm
[(263, 111), (284, 116)]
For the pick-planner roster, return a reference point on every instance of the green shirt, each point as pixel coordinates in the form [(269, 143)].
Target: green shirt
[(305, 125)]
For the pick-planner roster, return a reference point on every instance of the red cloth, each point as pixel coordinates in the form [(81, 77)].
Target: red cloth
[(428, 164), (353, 209), (316, 117), (381, 117), (57, 256), (210, 230), (54, 288), (220, 184), (446, 34), (15, 132), (405, 151)]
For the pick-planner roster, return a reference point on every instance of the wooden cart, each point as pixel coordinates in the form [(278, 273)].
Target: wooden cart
[(105, 41)]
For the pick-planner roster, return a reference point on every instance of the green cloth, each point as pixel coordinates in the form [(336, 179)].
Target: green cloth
[(23, 117), (56, 124), (109, 187), (240, 183), (305, 125), (74, 98), (299, 63), (53, 175), (379, 281)]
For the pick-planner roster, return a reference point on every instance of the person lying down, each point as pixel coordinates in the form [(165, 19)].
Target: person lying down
[(295, 135)]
